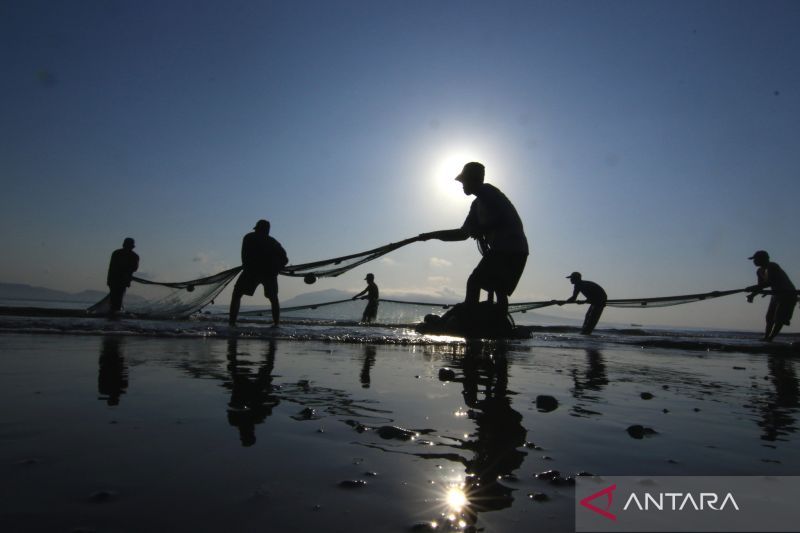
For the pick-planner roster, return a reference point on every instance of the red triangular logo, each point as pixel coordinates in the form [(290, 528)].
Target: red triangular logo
[(608, 492)]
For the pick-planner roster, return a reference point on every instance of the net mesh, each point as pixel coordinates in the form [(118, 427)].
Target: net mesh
[(169, 300)]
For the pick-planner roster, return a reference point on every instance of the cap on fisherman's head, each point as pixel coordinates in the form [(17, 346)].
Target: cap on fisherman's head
[(128, 243), (261, 225), (761, 254), (472, 172), (574, 275), (369, 277)]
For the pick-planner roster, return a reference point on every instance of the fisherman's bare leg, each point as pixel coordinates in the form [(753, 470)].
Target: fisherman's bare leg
[(276, 310), (236, 300)]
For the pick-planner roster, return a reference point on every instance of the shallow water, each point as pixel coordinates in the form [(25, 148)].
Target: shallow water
[(123, 432)]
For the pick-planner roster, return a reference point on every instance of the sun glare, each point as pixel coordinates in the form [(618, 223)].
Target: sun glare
[(456, 499)]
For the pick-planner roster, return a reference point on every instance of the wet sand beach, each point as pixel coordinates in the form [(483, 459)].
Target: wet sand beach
[(132, 433)]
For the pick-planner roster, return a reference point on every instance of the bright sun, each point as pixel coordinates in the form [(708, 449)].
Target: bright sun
[(446, 171)]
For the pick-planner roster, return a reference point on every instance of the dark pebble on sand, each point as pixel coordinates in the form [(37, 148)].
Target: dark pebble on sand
[(102, 496), (665, 387), (538, 496), (445, 374), (549, 475), (425, 526), (358, 426), (508, 477), (395, 432), (352, 483), (646, 396), (546, 404), (739, 368), (370, 474), (665, 410), (554, 477), (696, 409), (638, 432), (306, 414)]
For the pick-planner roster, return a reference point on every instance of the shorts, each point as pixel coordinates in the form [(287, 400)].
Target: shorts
[(248, 281), (781, 309), (500, 271), (371, 311)]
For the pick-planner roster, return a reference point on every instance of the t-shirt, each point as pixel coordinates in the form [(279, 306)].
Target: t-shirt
[(492, 217), (372, 292), (123, 264), (262, 254), (773, 276), (593, 292)]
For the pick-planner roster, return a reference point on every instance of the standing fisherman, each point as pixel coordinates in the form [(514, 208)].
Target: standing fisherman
[(124, 262), (262, 259), (372, 296)]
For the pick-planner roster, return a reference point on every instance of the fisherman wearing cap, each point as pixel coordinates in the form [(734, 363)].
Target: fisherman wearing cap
[(124, 262), (371, 292), (784, 294), (595, 296), (494, 223), (262, 259)]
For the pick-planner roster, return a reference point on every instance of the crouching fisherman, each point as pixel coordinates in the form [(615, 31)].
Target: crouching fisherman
[(494, 223), (595, 296), (784, 294)]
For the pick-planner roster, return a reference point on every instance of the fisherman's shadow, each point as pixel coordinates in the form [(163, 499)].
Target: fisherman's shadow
[(252, 391)]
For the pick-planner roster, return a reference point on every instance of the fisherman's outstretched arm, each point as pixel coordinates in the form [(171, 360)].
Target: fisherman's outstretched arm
[(755, 290), (459, 234)]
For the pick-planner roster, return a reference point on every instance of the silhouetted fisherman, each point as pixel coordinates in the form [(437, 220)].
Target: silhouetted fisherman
[(594, 294), (262, 259), (494, 223), (124, 262), (372, 296), (784, 294)]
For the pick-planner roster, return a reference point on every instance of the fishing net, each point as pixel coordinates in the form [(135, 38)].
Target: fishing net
[(663, 301), (155, 299), (330, 268), (666, 301), (169, 300)]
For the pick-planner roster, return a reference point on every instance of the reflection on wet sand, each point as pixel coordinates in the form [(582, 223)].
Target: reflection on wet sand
[(499, 433), (588, 386), (112, 371), (252, 398), (369, 361), (779, 406)]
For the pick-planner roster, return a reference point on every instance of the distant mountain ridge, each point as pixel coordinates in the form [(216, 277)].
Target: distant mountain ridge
[(21, 291)]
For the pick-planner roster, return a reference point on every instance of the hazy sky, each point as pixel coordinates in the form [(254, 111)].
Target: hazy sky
[(653, 146)]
